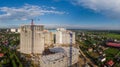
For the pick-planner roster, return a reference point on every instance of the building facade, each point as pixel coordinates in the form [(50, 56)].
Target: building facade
[(32, 39), (63, 36), (49, 38)]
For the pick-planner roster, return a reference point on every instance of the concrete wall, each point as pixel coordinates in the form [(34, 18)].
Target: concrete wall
[(38, 43), (63, 37), (26, 39), (60, 58), (62, 62), (49, 38)]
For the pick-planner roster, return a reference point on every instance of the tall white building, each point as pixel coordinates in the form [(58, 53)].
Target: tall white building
[(63, 36), (32, 39), (15, 30)]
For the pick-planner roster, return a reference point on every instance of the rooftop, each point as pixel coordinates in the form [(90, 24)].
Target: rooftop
[(58, 53), (113, 44)]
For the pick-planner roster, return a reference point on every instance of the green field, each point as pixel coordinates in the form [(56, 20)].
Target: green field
[(111, 53), (106, 34), (112, 35)]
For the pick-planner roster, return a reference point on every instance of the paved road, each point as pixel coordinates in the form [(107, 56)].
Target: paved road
[(87, 60), (83, 59)]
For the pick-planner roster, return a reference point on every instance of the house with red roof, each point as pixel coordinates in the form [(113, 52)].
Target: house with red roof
[(113, 44), (110, 63), (1, 54)]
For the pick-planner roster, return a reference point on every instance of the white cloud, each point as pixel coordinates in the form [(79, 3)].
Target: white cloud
[(52, 7), (110, 8), (25, 12)]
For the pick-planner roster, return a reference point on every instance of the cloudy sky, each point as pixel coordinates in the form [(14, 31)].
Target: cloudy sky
[(94, 14)]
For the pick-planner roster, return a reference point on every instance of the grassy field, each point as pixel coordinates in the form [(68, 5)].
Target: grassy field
[(112, 35), (106, 34), (111, 53)]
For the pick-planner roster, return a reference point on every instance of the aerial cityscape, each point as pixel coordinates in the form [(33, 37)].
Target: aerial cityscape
[(59, 33)]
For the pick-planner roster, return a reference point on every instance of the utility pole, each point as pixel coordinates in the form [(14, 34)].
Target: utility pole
[(70, 49)]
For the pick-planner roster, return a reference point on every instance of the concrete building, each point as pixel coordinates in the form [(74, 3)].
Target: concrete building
[(61, 29), (32, 39), (60, 58), (18, 30), (48, 38), (15, 30), (63, 36)]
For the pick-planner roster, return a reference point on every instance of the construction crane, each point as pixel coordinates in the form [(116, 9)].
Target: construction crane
[(32, 29), (70, 61)]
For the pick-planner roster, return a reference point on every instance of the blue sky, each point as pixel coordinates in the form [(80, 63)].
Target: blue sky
[(94, 14)]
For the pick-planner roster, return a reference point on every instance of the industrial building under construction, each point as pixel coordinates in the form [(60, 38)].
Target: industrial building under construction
[(48, 46)]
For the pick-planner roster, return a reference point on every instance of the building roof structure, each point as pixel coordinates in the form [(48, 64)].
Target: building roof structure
[(113, 44), (59, 53)]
